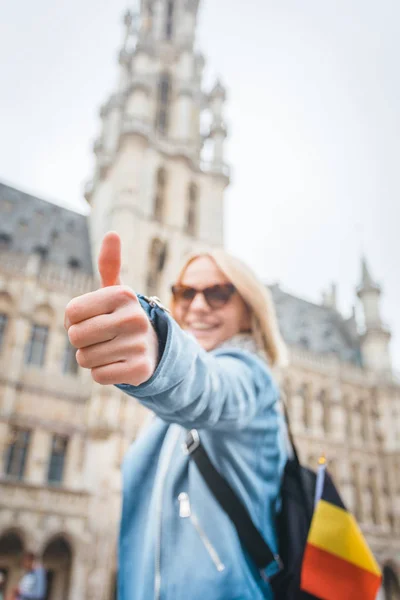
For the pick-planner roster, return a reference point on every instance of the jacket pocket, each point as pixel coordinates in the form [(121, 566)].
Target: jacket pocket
[(185, 512)]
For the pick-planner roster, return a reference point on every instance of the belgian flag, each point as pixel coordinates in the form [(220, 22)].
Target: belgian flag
[(337, 563)]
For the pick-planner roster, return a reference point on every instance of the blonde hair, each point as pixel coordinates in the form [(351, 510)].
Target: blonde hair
[(256, 295)]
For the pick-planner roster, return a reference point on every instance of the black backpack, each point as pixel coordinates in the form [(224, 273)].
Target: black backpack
[(293, 520)]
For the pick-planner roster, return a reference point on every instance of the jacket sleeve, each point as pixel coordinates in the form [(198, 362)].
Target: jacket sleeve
[(224, 389)]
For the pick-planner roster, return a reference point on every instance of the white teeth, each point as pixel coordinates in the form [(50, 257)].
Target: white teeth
[(201, 326)]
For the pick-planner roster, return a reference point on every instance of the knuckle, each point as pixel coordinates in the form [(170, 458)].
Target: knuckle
[(134, 320), (125, 293), (98, 376), (73, 335), (143, 369), (72, 310), (81, 359), (141, 346)]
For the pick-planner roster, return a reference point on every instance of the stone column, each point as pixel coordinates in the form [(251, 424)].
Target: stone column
[(79, 576), (16, 361), (298, 410), (72, 474), (38, 457), (358, 500), (4, 441), (308, 408)]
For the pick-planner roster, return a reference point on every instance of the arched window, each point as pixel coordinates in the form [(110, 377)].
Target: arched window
[(35, 350), (159, 198), (58, 454), (69, 364), (36, 346), (11, 549), (57, 560), (16, 452), (163, 101), (157, 258), (192, 209), (169, 20)]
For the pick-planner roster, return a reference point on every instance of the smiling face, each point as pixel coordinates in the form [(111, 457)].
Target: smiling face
[(210, 326)]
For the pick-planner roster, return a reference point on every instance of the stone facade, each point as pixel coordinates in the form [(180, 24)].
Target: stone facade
[(159, 181)]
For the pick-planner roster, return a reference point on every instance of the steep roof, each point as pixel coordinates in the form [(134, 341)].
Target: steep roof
[(317, 328), (29, 224)]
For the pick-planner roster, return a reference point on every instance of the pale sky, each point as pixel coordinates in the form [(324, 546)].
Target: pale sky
[(313, 114)]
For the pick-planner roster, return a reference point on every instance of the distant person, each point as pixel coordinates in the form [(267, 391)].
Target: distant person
[(32, 585), (2, 585)]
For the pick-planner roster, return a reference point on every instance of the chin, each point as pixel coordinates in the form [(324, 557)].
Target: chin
[(205, 343)]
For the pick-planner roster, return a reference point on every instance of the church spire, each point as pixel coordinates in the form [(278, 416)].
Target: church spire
[(376, 336), (366, 279), (170, 22)]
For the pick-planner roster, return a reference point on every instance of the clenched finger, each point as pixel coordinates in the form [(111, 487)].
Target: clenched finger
[(93, 331), (100, 302), (117, 350), (122, 373)]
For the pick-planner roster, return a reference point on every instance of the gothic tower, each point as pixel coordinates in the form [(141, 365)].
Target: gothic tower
[(152, 183)]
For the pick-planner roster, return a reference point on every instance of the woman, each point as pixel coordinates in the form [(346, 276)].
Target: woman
[(176, 542)]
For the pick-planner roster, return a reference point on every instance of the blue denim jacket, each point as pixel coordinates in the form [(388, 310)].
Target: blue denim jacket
[(176, 543)]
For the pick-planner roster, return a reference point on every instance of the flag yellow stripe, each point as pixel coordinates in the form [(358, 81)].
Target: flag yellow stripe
[(335, 530)]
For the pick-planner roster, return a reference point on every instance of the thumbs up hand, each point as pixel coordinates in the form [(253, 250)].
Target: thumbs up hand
[(111, 331)]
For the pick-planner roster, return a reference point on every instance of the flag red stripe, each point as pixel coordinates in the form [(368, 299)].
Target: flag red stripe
[(331, 578)]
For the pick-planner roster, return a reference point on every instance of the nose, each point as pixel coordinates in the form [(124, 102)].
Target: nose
[(199, 304)]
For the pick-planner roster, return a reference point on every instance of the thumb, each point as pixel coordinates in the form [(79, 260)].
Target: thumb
[(109, 261)]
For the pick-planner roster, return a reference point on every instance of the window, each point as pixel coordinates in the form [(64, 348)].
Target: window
[(304, 341), (36, 347), (16, 453), (57, 459), (169, 19), (23, 225), (5, 240), (6, 205), (70, 366), (3, 327), (191, 215), (164, 89), (157, 258), (74, 263), (159, 199), (41, 250)]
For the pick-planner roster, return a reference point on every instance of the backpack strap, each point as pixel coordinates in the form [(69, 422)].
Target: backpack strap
[(249, 535), (289, 429)]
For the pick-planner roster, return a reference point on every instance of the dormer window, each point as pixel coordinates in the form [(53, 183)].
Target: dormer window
[(74, 263), (5, 240)]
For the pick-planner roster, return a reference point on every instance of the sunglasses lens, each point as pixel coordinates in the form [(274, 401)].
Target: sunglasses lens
[(218, 295), (183, 294), (215, 296)]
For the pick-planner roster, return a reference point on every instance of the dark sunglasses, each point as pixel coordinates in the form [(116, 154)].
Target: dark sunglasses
[(216, 296)]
